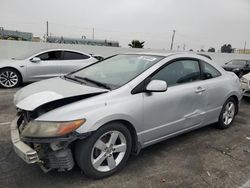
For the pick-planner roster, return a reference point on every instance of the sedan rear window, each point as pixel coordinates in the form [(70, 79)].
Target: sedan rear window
[(240, 63)]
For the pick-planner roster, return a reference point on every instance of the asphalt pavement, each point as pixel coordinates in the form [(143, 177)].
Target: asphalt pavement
[(207, 157)]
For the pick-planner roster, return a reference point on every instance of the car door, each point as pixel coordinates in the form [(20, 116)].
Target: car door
[(216, 91), (73, 61), (181, 107), (47, 67)]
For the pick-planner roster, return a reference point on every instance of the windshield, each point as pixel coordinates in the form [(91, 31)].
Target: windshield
[(118, 70), (240, 63)]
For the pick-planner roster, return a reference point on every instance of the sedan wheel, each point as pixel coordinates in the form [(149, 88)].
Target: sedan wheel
[(227, 114), (108, 151), (105, 152), (9, 78)]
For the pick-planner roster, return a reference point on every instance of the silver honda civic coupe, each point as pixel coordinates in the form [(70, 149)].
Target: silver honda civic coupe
[(97, 116), (41, 64)]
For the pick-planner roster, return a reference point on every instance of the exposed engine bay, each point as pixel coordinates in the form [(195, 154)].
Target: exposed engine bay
[(53, 152)]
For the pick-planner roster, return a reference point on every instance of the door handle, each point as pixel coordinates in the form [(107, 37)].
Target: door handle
[(200, 90)]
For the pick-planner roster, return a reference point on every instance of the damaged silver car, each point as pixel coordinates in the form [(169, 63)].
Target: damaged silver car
[(99, 115)]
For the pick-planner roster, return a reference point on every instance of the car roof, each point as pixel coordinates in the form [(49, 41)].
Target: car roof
[(167, 54), (39, 51)]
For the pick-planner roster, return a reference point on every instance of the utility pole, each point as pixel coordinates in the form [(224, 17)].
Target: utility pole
[(245, 46), (93, 33), (47, 28), (171, 47), (184, 47)]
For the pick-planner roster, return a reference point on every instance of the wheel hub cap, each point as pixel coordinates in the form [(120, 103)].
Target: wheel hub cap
[(108, 151), (8, 79), (228, 114)]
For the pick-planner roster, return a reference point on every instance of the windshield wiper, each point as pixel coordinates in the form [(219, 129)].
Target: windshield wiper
[(72, 78), (106, 86)]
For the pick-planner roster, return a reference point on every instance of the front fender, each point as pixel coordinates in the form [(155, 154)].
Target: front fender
[(99, 123)]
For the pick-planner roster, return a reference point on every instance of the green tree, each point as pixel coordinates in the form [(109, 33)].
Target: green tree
[(136, 44), (211, 49), (227, 48)]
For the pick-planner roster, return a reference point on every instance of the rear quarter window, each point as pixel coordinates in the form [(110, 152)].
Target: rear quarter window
[(208, 71)]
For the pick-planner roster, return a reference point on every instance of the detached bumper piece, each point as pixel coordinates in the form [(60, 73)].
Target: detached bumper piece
[(44, 156)]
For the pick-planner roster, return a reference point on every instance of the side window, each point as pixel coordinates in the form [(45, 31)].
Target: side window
[(51, 56), (179, 72), (208, 71), (73, 56)]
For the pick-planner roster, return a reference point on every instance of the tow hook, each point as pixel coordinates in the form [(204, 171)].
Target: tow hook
[(42, 166)]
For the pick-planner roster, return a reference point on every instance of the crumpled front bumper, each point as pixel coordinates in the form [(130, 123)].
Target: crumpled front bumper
[(23, 150), (48, 153)]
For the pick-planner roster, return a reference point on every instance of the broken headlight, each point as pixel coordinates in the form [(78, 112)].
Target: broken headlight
[(51, 129)]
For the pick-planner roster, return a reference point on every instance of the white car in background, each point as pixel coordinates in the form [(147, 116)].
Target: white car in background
[(245, 85), (36, 66)]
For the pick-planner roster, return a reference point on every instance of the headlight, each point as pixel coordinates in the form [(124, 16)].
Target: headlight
[(51, 129), (244, 80)]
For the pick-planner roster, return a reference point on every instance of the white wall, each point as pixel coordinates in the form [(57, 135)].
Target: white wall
[(10, 49)]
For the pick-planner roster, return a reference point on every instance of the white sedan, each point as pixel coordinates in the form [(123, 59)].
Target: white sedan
[(41, 65)]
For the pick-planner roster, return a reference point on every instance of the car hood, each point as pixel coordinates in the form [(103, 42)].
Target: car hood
[(40, 93), (231, 66), (4, 62)]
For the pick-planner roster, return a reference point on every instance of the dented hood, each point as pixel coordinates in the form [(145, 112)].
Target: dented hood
[(39, 93)]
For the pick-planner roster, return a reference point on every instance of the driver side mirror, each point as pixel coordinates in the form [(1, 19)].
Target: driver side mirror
[(157, 86), (35, 60)]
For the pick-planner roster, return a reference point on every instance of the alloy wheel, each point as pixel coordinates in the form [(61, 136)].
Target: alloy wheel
[(229, 112), (8, 79), (108, 151)]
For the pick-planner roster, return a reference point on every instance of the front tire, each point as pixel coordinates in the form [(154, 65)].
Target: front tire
[(227, 114), (105, 152), (10, 78)]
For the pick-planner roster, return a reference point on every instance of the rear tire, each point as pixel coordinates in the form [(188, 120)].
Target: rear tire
[(10, 78), (105, 152), (227, 114)]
